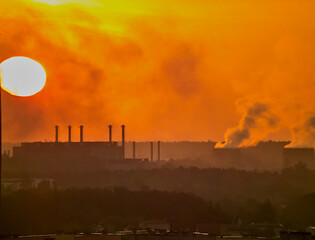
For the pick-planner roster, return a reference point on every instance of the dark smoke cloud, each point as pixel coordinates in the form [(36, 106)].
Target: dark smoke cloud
[(181, 70)]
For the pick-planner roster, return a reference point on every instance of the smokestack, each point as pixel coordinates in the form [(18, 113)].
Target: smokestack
[(134, 150), (151, 151), (56, 133), (159, 150), (81, 133), (69, 133), (123, 140), (110, 133)]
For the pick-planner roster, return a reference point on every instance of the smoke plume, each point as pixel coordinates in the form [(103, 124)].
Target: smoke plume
[(303, 134), (256, 123)]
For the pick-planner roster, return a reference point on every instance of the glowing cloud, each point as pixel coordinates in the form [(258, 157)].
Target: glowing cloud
[(168, 70)]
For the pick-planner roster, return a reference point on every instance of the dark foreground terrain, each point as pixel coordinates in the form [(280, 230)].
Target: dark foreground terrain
[(80, 210)]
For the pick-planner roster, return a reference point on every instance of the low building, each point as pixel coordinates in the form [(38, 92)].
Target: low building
[(311, 229), (159, 225), (295, 235), (209, 228), (15, 184), (293, 156)]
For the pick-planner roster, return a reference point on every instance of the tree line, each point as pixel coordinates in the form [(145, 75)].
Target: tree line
[(45, 210)]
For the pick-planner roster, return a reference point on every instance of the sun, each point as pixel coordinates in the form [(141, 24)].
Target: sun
[(22, 76)]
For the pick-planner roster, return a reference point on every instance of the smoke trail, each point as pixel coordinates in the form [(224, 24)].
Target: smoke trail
[(256, 123), (303, 134)]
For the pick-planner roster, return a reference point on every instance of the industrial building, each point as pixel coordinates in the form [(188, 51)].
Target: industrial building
[(15, 184), (293, 156), (265, 155), (77, 156), (114, 155)]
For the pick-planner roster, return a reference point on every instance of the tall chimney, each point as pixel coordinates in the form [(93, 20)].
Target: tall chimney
[(123, 140), (159, 150), (110, 133), (69, 133), (56, 133), (134, 150), (151, 151), (81, 133)]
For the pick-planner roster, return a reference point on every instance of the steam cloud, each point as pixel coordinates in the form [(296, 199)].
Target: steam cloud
[(303, 134), (258, 117)]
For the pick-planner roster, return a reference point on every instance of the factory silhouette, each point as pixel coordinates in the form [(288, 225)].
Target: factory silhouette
[(85, 155), (70, 155)]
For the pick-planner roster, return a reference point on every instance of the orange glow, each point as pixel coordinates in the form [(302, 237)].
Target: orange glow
[(21, 76), (168, 70)]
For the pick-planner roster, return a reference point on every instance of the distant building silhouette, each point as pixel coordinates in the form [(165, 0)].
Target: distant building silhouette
[(15, 184), (293, 156), (55, 156), (85, 156)]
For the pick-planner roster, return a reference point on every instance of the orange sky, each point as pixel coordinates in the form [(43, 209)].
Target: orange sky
[(168, 70)]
